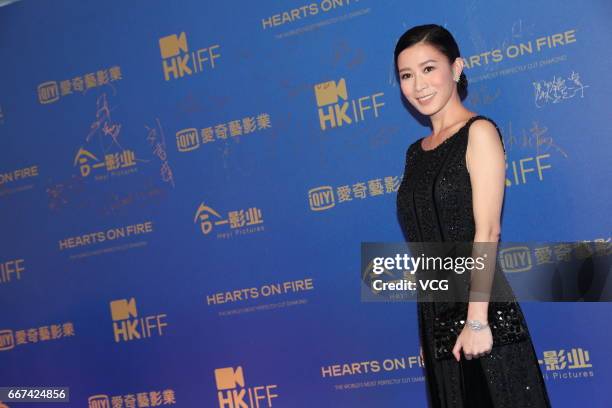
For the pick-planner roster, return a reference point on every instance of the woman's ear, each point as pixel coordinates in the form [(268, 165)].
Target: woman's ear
[(458, 67)]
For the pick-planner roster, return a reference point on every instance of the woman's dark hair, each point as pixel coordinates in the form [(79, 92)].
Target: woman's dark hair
[(438, 37)]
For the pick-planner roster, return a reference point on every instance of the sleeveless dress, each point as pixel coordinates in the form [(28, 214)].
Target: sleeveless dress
[(434, 204)]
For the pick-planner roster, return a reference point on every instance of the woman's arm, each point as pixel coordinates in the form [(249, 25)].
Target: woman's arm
[(485, 162)]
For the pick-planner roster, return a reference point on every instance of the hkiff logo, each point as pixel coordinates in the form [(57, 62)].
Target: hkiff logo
[(334, 112), (178, 62), (126, 324), (11, 270), (232, 392)]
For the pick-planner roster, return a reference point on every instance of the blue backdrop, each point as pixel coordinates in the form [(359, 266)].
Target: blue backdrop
[(184, 189)]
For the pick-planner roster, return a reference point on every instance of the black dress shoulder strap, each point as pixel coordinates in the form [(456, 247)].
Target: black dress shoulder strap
[(473, 118)]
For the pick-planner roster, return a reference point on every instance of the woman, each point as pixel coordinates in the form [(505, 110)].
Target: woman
[(476, 353)]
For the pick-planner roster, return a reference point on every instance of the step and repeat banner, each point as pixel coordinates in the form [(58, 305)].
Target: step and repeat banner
[(185, 186)]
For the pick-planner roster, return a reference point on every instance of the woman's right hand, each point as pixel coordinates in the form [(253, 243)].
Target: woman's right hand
[(421, 353)]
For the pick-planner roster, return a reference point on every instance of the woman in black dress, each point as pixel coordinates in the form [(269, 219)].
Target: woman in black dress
[(476, 353)]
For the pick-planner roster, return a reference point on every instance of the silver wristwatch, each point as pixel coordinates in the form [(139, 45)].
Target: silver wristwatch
[(476, 325)]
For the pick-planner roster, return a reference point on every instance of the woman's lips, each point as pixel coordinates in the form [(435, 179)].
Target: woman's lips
[(425, 100)]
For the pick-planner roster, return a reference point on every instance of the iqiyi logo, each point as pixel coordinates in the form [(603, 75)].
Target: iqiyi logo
[(321, 198), (515, 259), (333, 105), (232, 392), (177, 61), (7, 340), (98, 401), (48, 92), (127, 326)]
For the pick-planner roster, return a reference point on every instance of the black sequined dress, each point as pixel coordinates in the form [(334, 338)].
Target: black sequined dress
[(434, 204)]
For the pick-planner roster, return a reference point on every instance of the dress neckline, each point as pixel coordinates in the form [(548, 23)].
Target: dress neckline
[(420, 141)]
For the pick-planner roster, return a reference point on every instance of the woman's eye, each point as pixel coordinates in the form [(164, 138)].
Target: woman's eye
[(406, 76)]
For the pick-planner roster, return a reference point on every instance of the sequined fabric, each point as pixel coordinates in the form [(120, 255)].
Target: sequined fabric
[(506, 322), (434, 204)]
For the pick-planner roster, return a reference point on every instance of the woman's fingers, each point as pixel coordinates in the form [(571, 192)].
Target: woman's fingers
[(457, 350), (470, 351), (476, 355)]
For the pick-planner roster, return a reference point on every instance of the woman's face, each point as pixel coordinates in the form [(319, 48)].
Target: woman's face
[(426, 77)]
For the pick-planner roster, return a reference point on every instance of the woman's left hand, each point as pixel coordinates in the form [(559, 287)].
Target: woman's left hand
[(475, 343)]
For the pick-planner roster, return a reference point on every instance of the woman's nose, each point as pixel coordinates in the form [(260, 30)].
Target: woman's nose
[(419, 84)]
